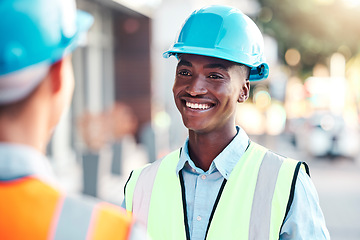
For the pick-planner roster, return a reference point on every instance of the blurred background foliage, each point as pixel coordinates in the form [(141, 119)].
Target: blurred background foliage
[(316, 28)]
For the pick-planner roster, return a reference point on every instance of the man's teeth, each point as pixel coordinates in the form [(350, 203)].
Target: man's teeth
[(197, 105)]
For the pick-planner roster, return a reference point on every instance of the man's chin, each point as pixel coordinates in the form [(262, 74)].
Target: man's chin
[(197, 128)]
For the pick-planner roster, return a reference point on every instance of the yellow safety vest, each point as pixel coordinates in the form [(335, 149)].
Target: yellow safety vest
[(253, 203)]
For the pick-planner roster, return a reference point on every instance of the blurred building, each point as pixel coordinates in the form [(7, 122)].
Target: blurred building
[(113, 66)]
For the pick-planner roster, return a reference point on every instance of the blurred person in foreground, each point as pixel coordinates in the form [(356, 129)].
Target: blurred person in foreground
[(220, 184), (36, 86)]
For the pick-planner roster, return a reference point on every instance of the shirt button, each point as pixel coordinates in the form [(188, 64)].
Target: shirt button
[(203, 177), (193, 170), (198, 218)]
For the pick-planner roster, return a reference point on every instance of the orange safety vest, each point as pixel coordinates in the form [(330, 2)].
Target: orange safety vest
[(32, 209)]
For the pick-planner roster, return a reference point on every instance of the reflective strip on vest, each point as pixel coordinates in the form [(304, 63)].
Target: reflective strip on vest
[(131, 185), (94, 220), (146, 188), (143, 192), (264, 190), (265, 210), (78, 211), (252, 205)]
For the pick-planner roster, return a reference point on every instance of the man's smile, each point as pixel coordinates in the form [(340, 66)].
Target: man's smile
[(201, 106), (197, 104)]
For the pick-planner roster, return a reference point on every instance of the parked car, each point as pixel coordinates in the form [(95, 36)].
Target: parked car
[(325, 134)]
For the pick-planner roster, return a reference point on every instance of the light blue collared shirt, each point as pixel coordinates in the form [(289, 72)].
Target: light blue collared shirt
[(17, 160), (305, 219)]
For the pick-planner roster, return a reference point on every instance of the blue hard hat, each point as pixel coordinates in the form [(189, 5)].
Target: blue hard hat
[(38, 31), (223, 32)]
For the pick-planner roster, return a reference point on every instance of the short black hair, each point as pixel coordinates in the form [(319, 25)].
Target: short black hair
[(245, 69)]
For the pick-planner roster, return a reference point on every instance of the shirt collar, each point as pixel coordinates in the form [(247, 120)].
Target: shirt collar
[(225, 161), (18, 161)]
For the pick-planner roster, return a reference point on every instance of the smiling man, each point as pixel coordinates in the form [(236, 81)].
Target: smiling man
[(220, 184)]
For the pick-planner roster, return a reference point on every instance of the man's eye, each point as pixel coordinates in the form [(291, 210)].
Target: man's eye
[(184, 73), (215, 76)]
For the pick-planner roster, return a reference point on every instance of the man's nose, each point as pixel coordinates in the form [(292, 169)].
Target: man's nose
[(197, 86)]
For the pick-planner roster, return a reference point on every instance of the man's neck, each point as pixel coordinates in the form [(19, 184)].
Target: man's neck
[(204, 148), (25, 129)]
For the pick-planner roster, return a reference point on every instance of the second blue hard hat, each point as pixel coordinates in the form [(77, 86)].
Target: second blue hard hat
[(223, 32), (37, 31)]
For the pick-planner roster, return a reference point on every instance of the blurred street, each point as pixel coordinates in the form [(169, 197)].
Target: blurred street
[(338, 187), (337, 182)]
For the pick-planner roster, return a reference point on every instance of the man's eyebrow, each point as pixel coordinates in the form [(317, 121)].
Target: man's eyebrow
[(216, 65), (184, 63), (210, 65)]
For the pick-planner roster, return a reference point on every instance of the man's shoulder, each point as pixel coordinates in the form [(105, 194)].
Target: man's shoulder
[(149, 171), (104, 211), (174, 155)]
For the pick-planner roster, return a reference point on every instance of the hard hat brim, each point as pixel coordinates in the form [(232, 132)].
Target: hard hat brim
[(258, 71), (83, 22)]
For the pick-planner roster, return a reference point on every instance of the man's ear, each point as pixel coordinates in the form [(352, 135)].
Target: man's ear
[(55, 74), (245, 92)]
